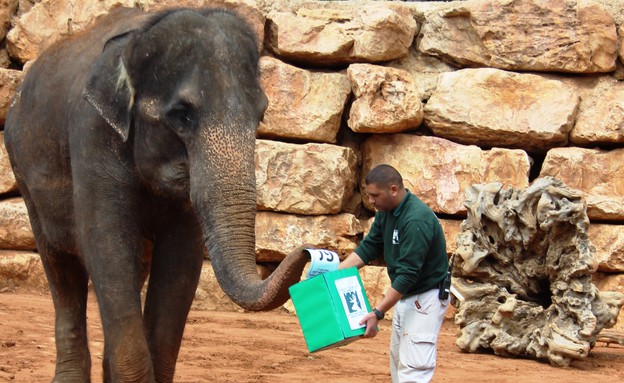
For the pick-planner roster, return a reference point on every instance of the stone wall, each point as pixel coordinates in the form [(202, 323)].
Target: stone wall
[(451, 93)]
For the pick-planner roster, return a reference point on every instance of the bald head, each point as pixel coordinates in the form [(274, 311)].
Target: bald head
[(384, 176), (384, 186)]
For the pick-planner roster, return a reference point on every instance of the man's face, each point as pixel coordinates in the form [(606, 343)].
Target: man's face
[(382, 198)]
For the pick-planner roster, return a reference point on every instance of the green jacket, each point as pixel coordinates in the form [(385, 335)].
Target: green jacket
[(412, 241)]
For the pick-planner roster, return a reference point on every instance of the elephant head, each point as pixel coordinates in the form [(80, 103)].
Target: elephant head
[(182, 91)]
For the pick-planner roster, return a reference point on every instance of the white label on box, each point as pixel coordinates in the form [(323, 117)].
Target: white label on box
[(322, 261), (352, 297)]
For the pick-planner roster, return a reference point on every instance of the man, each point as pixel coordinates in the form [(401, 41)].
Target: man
[(409, 235)]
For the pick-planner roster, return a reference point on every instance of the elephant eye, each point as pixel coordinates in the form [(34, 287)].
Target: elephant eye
[(182, 117)]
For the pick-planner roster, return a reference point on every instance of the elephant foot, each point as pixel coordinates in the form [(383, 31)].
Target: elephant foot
[(71, 376)]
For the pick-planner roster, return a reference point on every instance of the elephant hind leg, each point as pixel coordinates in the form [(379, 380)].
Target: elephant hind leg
[(68, 282)]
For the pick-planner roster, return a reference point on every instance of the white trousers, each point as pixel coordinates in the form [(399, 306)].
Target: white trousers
[(413, 345)]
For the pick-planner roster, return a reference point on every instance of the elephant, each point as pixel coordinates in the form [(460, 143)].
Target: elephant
[(133, 147)]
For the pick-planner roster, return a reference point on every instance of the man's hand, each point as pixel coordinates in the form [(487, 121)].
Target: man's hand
[(353, 260), (371, 325)]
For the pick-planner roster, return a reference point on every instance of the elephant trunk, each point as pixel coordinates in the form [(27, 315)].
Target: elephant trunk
[(226, 207)]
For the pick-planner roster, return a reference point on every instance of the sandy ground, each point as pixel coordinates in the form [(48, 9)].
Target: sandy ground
[(269, 347)]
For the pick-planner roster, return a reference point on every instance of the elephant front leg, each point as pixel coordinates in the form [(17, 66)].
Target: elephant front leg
[(126, 354), (176, 266), (112, 248)]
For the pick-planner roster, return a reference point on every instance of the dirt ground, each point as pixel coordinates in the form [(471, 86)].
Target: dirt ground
[(269, 347)]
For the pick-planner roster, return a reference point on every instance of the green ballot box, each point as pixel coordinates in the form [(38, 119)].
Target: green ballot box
[(329, 307)]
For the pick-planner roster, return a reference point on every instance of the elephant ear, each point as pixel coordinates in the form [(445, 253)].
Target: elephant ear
[(109, 87)]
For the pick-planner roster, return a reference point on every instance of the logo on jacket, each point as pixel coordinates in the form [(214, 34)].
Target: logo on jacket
[(395, 237)]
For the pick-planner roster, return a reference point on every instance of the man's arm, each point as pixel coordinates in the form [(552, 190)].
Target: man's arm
[(389, 300), (353, 260)]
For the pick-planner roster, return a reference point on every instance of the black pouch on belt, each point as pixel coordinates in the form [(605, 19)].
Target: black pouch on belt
[(445, 288), (445, 285)]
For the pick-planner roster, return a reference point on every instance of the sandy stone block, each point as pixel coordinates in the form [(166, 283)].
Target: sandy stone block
[(321, 34), (527, 35), (621, 47), (303, 105), (609, 243), (15, 230), (21, 270), (310, 179), (600, 118), (386, 100), (10, 81), (7, 178), (491, 107), (424, 69), (598, 174), (7, 10)]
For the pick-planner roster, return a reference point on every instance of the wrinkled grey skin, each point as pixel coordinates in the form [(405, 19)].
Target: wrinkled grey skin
[(134, 142)]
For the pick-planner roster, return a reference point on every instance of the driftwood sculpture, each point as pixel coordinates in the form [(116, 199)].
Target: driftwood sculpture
[(524, 268)]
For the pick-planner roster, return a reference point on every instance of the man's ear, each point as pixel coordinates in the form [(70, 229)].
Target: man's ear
[(394, 190), (109, 87)]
